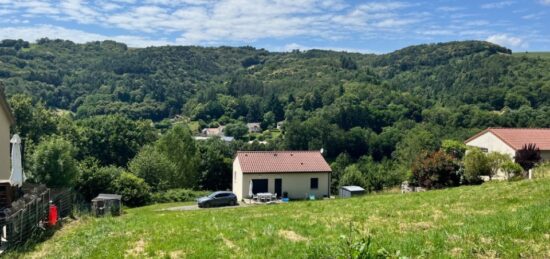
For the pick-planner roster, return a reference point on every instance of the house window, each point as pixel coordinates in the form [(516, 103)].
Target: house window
[(314, 183), (484, 150)]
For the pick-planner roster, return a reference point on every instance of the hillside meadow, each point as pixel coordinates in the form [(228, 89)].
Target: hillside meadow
[(497, 219)]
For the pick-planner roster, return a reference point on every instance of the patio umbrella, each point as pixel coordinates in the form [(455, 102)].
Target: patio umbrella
[(250, 193), (17, 176)]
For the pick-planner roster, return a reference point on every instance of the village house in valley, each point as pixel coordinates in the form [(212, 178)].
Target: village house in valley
[(6, 121), (510, 140), (298, 173)]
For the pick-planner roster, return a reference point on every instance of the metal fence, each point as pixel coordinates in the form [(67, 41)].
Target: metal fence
[(31, 214), (64, 200), (20, 225)]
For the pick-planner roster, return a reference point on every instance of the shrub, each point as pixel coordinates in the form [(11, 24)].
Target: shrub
[(454, 148), (177, 195), (53, 163), (476, 164), (435, 170), (352, 176), (95, 180), (511, 169), (154, 168), (542, 170), (528, 156), (134, 190), (496, 160)]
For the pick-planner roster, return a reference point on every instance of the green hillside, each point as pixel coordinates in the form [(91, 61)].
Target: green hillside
[(498, 219)]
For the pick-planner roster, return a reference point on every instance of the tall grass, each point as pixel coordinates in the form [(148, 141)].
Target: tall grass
[(496, 219)]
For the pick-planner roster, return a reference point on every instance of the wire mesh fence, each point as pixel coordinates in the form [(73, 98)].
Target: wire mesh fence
[(20, 225), (28, 215), (64, 200)]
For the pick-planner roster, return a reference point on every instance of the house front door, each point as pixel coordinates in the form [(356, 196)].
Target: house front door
[(279, 187)]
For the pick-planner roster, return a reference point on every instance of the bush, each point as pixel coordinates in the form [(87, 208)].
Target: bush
[(134, 190), (435, 170), (476, 164), (177, 195), (528, 156), (352, 176), (53, 163), (513, 170), (95, 180), (154, 168)]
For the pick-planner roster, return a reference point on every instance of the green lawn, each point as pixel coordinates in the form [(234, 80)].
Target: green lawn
[(544, 55), (505, 219)]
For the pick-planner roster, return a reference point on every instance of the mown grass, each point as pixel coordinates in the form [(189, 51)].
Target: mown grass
[(543, 55), (504, 219)]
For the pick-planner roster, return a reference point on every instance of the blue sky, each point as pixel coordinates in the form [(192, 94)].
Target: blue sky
[(282, 25)]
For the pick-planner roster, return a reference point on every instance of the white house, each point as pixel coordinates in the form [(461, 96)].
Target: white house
[(509, 140), (6, 121), (298, 173), (254, 127)]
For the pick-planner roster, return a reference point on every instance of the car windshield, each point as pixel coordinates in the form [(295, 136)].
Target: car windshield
[(212, 195)]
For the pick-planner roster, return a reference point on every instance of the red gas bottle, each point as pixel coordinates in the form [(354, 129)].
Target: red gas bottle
[(52, 216)]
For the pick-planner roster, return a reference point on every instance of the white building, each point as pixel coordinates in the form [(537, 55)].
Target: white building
[(298, 173), (6, 121), (510, 140)]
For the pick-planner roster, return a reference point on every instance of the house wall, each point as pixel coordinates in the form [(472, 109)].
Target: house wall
[(492, 143), (237, 179), (5, 162), (296, 184)]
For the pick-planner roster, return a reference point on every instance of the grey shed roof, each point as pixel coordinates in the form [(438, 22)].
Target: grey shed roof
[(353, 188), (103, 196)]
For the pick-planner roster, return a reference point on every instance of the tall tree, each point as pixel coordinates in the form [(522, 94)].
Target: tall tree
[(179, 147)]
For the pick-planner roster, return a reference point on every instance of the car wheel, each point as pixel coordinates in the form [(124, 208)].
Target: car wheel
[(233, 203)]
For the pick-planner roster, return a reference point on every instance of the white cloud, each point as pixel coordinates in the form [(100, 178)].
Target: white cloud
[(54, 32), (497, 5), (507, 41), (545, 2)]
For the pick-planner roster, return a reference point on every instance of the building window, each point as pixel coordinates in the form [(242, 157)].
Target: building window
[(484, 150), (314, 183)]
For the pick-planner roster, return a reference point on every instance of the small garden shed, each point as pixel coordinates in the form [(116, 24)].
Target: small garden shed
[(349, 191), (106, 204)]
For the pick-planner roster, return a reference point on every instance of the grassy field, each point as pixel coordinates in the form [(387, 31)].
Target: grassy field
[(505, 219), (545, 55)]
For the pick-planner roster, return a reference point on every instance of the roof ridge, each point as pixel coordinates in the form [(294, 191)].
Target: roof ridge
[(538, 128)]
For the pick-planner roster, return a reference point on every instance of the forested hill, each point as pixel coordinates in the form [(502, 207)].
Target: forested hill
[(463, 85), (157, 82)]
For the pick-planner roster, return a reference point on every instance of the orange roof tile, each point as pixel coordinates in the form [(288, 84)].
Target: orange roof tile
[(282, 162)]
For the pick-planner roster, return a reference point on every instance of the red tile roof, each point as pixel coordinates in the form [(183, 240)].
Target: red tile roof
[(282, 162), (516, 138)]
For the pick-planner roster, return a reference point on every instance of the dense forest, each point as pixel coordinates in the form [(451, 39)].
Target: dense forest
[(117, 107)]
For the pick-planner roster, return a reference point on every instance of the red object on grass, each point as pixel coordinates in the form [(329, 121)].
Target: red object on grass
[(52, 216)]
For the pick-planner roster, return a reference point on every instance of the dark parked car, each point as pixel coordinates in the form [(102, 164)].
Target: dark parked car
[(217, 199)]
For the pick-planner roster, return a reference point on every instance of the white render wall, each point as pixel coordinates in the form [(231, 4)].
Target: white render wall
[(296, 184), (237, 179), (492, 143), (5, 160)]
